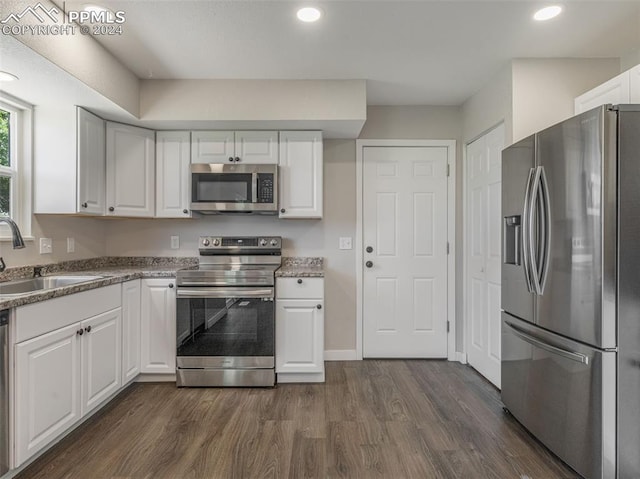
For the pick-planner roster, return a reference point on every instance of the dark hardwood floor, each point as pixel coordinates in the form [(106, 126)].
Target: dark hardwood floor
[(371, 419)]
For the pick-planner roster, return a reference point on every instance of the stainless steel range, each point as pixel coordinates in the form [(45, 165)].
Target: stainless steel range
[(226, 313)]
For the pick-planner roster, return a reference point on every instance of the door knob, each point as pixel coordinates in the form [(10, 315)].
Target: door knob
[(111, 208), (282, 210), (299, 281), (369, 249), (319, 306), (80, 332), (88, 329), (185, 211), (231, 159), (171, 285), (369, 264), (84, 205), (237, 159)]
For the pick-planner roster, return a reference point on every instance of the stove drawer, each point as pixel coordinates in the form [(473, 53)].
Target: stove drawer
[(300, 288)]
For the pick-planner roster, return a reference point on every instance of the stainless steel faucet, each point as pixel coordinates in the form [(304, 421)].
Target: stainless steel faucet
[(16, 236)]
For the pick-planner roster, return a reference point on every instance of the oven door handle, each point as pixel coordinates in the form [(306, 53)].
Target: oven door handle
[(224, 292)]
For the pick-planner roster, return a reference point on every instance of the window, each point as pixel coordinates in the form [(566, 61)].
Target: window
[(15, 164)]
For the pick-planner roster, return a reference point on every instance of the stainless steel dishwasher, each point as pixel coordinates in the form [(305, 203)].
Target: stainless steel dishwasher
[(4, 391)]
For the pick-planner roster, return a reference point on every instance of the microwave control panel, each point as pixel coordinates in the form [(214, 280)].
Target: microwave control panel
[(265, 188)]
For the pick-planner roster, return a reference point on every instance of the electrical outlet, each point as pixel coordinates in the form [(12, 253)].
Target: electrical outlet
[(175, 242), (46, 246), (71, 245), (345, 242)]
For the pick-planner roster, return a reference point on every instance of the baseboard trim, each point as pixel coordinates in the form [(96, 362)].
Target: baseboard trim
[(461, 357), (283, 378), (156, 378), (340, 355)]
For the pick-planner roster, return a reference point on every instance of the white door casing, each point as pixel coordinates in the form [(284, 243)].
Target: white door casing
[(405, 214), (483, 180)]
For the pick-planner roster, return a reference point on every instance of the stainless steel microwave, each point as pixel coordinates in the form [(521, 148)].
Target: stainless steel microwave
[(220, 188)]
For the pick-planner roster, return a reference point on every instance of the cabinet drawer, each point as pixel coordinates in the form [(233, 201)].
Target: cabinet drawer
[(39, 318), (300, 288)]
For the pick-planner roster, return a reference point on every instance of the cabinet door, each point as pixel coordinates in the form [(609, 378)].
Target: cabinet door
[(613, 91), (300, 174), (101, 358), (299, 336), (130, 171), (158, 302), (173, 178), (91, 163), (634, 84), (257, 147), (47, 389), (130, 330), (212, 146)]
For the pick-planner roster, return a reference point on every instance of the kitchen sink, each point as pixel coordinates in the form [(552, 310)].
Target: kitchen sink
[(25, 286)]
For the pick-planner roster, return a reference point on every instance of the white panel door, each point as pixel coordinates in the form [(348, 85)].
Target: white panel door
[(173, 177), (613, 91), (300, 174), (47, 396), (299, 336), (101, 358), (634, 84), (158, 328), (130, 330), (405, 272), (212, 146), (483, 253), (91, 163), (130, 171), (256, 147)]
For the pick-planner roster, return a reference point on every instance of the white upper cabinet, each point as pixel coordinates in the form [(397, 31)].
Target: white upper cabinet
[(91, 163), (624, 88), (212, 146), (634, 84), (130, 171), (300, 174), (173, 178), (252, 147)]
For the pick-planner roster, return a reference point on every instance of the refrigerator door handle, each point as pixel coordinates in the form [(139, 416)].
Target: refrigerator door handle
[(544, 264), (525, 231), (578, 357), (533, 247)]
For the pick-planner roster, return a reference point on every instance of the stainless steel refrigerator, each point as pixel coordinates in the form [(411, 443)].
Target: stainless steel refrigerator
[(571, 289)]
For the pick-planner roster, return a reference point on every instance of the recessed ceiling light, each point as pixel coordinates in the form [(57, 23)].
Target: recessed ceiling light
[(547, 13), (309, 14), (6, 76)]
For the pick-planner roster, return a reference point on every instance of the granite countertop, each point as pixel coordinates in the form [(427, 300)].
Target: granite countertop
[(109, 271), (112, 270), (301, 267)]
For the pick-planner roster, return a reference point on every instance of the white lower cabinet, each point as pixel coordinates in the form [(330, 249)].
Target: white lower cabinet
[(130, 330), (300, 329), (158, 315), (62, 375), (47, 389), (101, 358)]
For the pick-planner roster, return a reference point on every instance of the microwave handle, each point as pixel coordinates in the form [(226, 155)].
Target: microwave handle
[(254, 187)]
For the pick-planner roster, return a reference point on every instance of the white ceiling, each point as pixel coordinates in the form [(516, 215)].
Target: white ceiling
[(410, 52)]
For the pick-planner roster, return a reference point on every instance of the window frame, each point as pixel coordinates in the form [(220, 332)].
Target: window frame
[(21, 170)]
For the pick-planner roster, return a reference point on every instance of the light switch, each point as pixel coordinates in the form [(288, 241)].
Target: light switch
[(71, 245), (46, 246), (345, 242), (175, 242)]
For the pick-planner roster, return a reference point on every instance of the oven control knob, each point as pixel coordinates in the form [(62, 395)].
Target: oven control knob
[(216, 242), (274, 242), (206, 242), (263, 242)]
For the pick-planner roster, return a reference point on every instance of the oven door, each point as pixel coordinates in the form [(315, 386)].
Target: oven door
[(222, 327)]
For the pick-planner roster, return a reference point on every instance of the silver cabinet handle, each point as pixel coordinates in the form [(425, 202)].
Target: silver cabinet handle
[(578, 357), (224, 292)]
